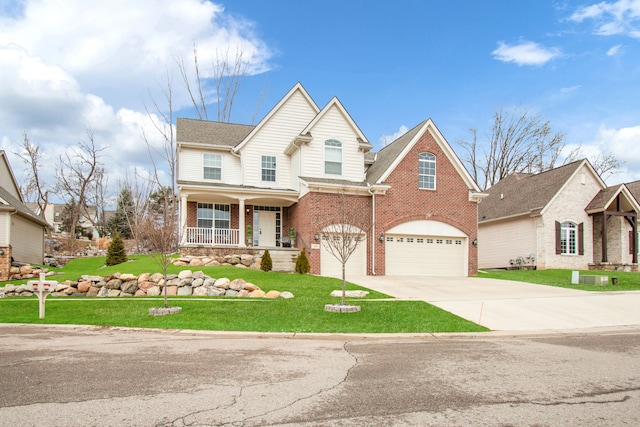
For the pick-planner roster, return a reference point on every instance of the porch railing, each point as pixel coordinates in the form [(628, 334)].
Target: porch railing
[(212, 236)]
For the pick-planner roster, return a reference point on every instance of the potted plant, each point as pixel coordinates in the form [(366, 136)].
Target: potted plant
[(292, 236), (250, 235)]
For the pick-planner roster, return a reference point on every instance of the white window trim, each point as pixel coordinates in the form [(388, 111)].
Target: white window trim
[(275, 168), (435, 169), (221, 167), (324, 153), (565, 229)]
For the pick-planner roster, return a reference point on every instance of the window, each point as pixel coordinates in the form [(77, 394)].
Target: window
[(427, 171), (333, 157), (222, 216), (420, 240), (205, 215), (409, 239), (212, 166), (568, 238), (269, 168)]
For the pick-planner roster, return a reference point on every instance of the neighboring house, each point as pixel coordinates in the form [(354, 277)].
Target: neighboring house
[(53, 214), (561, 218), (21, 230), (274, 180)]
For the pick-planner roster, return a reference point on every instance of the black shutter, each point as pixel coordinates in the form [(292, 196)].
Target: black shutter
[(581, 238), (630, 242), (558, 239)]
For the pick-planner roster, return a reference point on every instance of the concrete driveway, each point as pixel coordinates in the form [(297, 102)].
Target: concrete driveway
[(513, 306)]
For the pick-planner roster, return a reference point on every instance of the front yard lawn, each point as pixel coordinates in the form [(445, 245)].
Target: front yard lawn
[(562, 278), (303, 313)]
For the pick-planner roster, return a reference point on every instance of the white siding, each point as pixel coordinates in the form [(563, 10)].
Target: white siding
[(499, 243), (569, 205), (334, 125), (192, 167), (27, 240), (272, 139), (6, 179), (295, 168), (5, 223)]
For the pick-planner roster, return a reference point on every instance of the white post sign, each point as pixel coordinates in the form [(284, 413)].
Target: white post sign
[(42, 288)]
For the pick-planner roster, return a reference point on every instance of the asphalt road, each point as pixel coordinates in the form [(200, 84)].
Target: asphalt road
[(87, 376)]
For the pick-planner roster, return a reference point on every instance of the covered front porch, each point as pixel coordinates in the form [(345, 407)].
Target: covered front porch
[(235, 218), (615, 230)]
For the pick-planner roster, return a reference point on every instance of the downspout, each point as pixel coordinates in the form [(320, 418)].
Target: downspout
[(373, 230)]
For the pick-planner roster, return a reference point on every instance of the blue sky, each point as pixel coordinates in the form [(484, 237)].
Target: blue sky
[(72, 64)]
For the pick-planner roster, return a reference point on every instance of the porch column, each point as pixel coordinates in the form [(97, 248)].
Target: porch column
[(183, 220), (241, 226)]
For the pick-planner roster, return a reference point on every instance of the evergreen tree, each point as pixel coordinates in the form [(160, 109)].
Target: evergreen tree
[(116, 253), (266, 264), (121, 220), (302, 263)]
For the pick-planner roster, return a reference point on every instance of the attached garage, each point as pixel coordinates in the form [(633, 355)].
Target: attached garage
[(356, 265), (426, 248)]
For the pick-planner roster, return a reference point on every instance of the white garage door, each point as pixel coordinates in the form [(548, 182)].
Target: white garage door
[(415, 255), (356, 265)]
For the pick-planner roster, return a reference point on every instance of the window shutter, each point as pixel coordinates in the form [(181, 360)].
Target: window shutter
[(631, 242), (558, 239), (581, 238)]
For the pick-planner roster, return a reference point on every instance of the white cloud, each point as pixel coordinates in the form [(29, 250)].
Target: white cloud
[(124, 47), (623, 144), (388, 139), (72, 65), (616, 17), (613, 51), (570, 89), (525, 53)]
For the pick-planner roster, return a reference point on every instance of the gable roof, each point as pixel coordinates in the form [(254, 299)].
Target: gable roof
[(634, 189), (606, 197), (9, 203), (390, 156), (211, 133), (15, 190), (524, 193), (335, 103), (296, 88)]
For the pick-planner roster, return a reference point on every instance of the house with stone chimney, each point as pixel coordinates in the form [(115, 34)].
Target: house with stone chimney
[(246, 188), (566, 218), (21, 230)]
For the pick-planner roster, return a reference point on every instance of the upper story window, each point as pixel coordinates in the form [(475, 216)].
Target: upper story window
[(427, 171), (333, 157), (568, 238), (269, 168), (212, 166)]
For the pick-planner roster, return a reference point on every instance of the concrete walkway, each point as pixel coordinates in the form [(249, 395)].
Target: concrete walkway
[(513, 306)]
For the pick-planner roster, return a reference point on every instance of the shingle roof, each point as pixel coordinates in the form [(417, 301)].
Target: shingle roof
[(386, 156), (334, 181), (214, 133), (522, 193), (634, 188), (20, 207), (602, 199)]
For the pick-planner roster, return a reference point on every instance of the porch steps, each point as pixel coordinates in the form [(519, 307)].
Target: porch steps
[(284, 259)]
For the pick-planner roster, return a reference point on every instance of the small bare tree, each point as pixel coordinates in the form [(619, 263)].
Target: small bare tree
[(520, 141), (80, 175), (158, 231), (345, 228), (606, 164), (36, 188)]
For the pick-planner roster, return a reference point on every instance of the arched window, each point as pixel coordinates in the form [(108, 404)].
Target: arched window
[(333, 157), (568, 238), (427, 171)]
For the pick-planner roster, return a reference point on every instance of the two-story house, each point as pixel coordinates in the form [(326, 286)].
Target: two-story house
[(246, 188)]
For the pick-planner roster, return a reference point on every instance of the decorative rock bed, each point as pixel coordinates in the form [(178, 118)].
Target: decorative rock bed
[(186, 283)]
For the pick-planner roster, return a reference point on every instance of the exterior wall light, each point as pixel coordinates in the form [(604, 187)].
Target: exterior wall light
[(381, 238), (475, 243), (316, 237)]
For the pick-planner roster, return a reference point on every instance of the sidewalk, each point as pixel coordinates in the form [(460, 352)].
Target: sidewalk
[(504, 305)]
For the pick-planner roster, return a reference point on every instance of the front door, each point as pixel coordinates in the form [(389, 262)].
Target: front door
[(266, 228)]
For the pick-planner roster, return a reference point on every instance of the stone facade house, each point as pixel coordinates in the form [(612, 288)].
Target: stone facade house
[(561, 218), (21, 231), (281, 185)]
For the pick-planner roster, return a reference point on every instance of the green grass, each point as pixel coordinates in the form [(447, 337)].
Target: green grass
[(304, 313), (562, 279)]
